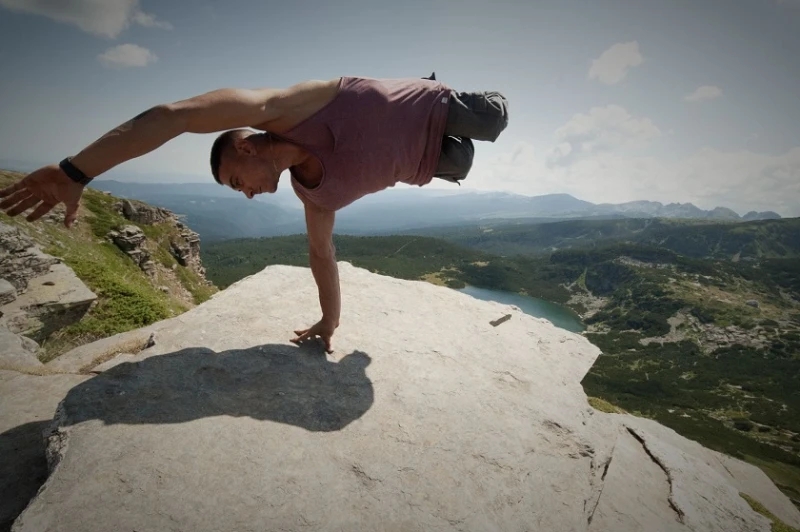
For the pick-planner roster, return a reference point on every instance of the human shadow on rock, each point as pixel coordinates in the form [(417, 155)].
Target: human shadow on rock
[(285, 384), (23, 469)]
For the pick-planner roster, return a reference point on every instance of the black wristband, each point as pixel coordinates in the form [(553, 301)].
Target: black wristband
[(72, 171)]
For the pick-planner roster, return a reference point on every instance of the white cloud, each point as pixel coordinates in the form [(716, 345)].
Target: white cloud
[(104, 18), (603, 128), (612, 66), (706, 92), (149, 21), (609, 171), (127, 55)]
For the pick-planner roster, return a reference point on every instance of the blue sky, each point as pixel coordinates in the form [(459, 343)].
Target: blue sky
[(610, 100)]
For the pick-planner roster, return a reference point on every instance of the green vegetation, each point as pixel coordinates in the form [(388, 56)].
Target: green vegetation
[(777, 524), (604, 406), (404, 257), (126, 297), (742, 241)]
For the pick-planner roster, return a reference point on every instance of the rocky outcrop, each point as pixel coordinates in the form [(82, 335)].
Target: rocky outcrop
[(47, 294), (20, 259), (130, 239), (142, 213), (186, 250), (51, 301), (17, 351), (184, 247), (8, 292), (426, 417)]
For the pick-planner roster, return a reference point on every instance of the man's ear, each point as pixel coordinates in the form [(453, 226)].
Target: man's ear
[(244, 146)]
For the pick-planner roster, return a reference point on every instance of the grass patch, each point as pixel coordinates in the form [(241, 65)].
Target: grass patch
[(777, 524), (200, 291), (126, 299), (581, 282), (604, 406), (104, 218)]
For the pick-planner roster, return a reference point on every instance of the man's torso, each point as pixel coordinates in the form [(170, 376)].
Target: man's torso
[(366, 134)]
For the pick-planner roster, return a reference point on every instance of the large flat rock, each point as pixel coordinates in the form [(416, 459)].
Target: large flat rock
[(51, 301), (17, 352), (426, 417), (27, 405)]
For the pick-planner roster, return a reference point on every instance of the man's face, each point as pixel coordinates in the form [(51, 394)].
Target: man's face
[(249, 174)]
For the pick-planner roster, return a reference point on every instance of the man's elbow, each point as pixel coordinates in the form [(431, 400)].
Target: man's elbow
[(323, 252)]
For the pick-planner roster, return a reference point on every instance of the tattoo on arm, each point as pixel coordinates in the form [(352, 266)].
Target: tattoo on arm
[(129, 124)]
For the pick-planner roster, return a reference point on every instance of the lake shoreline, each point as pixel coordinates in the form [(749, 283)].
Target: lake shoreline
[(559, 315)]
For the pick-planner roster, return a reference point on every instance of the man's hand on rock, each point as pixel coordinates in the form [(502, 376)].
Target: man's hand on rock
[(42, 190), (323, 328)]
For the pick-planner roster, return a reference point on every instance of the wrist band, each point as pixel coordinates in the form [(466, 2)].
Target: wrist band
[(73, 172)]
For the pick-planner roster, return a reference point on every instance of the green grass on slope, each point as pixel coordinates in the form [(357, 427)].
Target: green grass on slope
[(126, 298), (777, 524)]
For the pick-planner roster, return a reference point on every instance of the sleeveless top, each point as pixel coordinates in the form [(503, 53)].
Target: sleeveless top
[(372, 135)]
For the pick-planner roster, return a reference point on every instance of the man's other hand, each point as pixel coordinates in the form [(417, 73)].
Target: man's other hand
[(322, 328), (42, 190)]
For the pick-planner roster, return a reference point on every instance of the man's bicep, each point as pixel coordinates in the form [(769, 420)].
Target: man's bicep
[(224, 109), (319, 225)]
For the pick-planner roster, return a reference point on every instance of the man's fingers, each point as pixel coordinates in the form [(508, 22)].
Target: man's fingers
[(23, 206), (39, 211), (15, 197), (72, 214), (301, 335), (11, 189), (328, 344)]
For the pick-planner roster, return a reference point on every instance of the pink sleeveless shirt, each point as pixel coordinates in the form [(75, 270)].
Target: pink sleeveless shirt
[(372, 135)]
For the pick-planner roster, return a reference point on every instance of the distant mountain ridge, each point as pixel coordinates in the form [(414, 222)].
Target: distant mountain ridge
[(656, 209), (219, 213)]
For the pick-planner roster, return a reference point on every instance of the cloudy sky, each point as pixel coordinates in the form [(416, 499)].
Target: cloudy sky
[(611, 100)]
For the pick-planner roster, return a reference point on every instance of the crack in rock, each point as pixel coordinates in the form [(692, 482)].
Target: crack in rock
[(602, 485), (678, 512), (363, 476)]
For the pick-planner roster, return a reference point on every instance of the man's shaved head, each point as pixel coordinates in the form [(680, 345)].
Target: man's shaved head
[(223, 145)]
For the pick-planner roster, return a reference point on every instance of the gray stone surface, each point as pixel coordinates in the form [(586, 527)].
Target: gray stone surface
[(130, 239), (143, 213), (20, 259), (116, 361), (84, 357), (8, 292), (426, 417), (27, 406), (186, 250), (51, 301), (17, 351)]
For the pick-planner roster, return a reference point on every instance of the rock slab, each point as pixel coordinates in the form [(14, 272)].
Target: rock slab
[(426, 418), (27, 406)]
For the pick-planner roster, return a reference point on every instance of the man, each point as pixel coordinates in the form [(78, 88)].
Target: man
[(340, 140)]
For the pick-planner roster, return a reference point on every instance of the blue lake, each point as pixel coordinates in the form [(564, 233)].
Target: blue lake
[(557, 315)]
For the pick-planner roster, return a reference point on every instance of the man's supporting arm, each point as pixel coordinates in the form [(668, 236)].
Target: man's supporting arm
[(322, 259)]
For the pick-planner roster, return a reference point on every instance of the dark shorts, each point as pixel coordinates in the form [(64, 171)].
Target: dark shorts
[(471, 116)]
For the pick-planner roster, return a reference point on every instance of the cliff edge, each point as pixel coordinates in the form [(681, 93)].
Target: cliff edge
[(432, 414)]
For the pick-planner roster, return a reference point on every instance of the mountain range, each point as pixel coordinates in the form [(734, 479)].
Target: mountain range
[(219, 213)]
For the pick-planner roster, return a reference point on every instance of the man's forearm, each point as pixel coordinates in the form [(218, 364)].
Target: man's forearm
[(326, 274), (138, 136)]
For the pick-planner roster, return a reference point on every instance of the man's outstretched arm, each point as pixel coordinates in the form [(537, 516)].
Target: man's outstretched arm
[(322, 259), (213, 111)]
